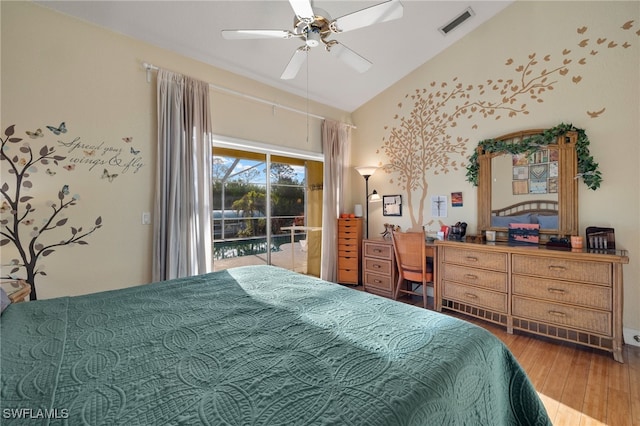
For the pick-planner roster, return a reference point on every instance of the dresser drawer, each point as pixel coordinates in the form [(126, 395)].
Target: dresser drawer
[(591, 296), (475, 258), (346, 225), (348, 233), (378, 282), (348, 262), (572, 270), (348, 249), (350, 239), (475, 296), (382, 251), (562, 315), (377, 266), (348, 275), (478, 277)]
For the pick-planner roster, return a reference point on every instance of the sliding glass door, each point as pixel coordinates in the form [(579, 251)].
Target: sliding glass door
[(257, 197)]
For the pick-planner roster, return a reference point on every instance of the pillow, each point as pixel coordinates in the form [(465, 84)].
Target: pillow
[(4, 300), (548, 222), (506, 220)]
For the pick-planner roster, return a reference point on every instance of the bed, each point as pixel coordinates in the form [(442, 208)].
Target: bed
[(542, 212), (255, 345)]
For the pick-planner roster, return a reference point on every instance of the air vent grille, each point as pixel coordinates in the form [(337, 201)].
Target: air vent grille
[(468, 13)]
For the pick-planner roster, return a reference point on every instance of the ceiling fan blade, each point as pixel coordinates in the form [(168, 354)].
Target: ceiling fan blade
[(349, 57), (295, 63), (302, 9), (255, 34), (382, 12)]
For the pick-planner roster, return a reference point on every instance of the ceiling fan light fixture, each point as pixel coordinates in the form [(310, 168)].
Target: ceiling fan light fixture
[(313, 38), (315, 25)]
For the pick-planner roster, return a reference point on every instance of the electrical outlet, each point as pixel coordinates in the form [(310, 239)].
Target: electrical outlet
[(637, 337), (146, 218)]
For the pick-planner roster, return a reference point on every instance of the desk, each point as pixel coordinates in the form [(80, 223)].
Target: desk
[(380, 273), (293, 230)]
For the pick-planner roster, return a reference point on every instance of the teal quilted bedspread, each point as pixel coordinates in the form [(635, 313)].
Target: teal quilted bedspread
[(253, 346)]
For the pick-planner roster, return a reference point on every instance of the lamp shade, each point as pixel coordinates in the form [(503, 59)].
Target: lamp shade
[(366, 170), (374, 197)]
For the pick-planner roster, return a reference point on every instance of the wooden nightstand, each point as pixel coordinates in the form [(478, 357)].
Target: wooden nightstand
[(17, 290), (379, 273)]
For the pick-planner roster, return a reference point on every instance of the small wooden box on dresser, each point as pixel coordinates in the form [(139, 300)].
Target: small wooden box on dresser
[(349, 250), (575, 296), (379, 272)]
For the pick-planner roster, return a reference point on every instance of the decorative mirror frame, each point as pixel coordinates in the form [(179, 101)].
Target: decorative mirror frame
[(565, 143)]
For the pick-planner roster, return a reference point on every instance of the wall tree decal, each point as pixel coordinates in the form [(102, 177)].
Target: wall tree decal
[(19, 227), (423, 140), (420, 142)]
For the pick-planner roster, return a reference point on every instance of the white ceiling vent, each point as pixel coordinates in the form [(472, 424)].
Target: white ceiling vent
[(455, 22)]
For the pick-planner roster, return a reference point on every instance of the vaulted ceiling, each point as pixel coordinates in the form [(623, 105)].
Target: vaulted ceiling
[(193, 29)]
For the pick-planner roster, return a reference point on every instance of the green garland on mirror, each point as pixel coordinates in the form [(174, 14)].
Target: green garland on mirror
[(587, 167)]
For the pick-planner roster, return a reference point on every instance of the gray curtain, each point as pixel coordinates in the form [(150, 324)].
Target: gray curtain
[(335, 146), (182, 243)]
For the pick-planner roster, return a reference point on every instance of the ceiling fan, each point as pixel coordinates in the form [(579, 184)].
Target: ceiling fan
[(315, 26)]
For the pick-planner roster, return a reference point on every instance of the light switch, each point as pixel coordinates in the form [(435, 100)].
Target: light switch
[(146, 218)]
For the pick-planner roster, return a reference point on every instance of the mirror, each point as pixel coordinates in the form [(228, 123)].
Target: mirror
[(538, 186)]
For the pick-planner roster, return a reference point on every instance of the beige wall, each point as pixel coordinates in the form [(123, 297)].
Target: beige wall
[(58, 69), (603, 76)]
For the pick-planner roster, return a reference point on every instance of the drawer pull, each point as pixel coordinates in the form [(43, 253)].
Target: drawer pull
[(377, 251), (471, 276), (557, 314), (375, 265), (556, 290), (471, 295), (377, 281), (471, 258), (557, 268)]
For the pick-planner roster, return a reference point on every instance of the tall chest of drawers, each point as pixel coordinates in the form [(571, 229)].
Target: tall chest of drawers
[(349, 250), (570, 296)]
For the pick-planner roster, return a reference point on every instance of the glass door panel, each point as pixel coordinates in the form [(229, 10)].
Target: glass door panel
[(239, 209), (257, 198)]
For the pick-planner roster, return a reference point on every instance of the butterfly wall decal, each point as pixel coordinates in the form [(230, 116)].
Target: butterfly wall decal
[(50, 172), (134, 152), (90, 153), (62, 128), (127, 139), (65, 190), (70, 167), (37, 134), (106, 175)]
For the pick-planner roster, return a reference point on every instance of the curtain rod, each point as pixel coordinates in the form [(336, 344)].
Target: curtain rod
[(150, 67)]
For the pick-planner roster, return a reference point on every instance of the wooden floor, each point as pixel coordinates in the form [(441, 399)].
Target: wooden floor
[(578, 385)]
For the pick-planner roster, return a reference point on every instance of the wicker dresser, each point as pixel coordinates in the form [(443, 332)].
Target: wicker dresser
[(349, 252), (571, 296), (379, 272)]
